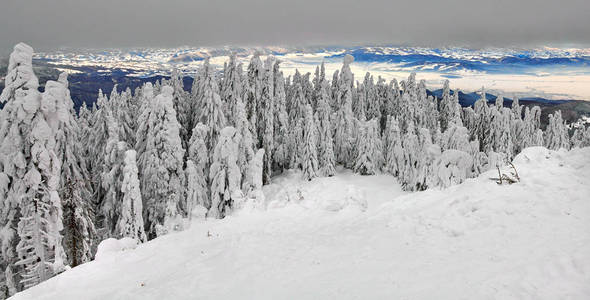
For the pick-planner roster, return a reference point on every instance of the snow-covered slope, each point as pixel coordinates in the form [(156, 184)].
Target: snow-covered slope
[(321, 240)]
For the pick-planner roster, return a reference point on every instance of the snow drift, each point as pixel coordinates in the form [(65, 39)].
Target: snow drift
[(476, 240)]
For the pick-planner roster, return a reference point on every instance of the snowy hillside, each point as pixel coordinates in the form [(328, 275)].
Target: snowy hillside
[(361, 237)]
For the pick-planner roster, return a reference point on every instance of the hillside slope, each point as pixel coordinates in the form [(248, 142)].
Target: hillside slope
[(477, 240)]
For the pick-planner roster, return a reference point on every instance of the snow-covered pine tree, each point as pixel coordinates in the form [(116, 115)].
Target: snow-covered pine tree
[(373, 101), (500, 129), (31, 216), (96, 142), (121, 109), (343, 137), (75, 187), (359, 102), (297, 122), (325, 142), (281, 121), (266, 118), (483, 124), (532, 130), (253, 92), (368, 143), (556, 133), (232, 87), (450, 109), (209, 107), (392, 102), (309, 155), (198, 170), (130, 221), (456, 137), (580, 138), (394, 153), (109, 209), (160, 163), (225, 175), (517, 127), (183, 104), (252, 188)]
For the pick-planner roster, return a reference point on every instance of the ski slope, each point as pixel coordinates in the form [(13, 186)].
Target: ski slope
[(361, 237)]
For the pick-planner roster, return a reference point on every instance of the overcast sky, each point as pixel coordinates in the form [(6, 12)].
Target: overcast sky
[(47, 25)]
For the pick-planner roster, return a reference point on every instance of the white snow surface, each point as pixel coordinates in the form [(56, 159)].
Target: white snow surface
[(361, 237)]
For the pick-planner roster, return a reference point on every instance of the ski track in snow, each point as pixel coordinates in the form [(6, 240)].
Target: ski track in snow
[(477, 240)]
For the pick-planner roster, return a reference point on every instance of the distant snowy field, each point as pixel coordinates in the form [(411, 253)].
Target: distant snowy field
[(361, 237), (551, 73)]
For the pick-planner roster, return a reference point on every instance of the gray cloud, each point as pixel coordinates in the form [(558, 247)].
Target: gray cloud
[(46, 25)]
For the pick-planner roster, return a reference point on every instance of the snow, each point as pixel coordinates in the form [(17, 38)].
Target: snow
[(111, 246), (476, 240)]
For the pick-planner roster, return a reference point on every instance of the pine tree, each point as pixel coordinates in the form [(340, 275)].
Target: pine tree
[(324, 125), (253, 182), (209, 106), (198, 169), (246, 143), (31, 217), (183, 104), (556, 134), (160, 163), (225, 175), (368, 143), (109, 209), (255, 84), (309, 155), (75, 189), (281, 122), (130, 221), (266, 119), (231, 87), (483, 124), (581, 138), (394, 155), (343, 137)]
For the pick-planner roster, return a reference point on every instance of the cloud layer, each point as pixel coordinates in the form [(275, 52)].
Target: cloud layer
[(115, 23)]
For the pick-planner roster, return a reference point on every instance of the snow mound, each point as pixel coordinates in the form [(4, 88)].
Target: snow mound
[(111, 246), (332, 194)]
